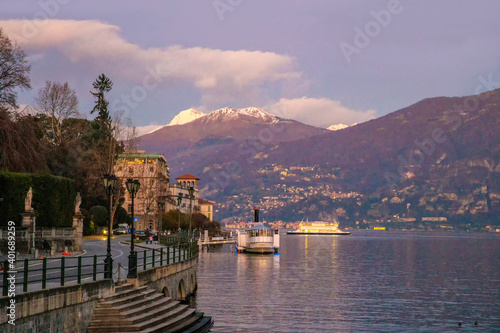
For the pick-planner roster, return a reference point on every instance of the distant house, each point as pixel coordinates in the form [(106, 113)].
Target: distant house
[(207, 208)]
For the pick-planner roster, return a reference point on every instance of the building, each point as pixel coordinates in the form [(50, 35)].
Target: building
[(152, 172), (207, 208), (182, 186)]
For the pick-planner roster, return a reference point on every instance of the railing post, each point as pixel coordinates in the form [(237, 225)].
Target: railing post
[(94, 275), (44, 273), (168, 255), (153, 258), (25, 278), (145, 258), (161, 257), (5, 287), (62, 271), (79, 270)]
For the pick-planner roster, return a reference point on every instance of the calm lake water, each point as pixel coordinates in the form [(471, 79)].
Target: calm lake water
[(369, 281)]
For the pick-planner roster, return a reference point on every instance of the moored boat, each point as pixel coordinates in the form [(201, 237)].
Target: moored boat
[(258, 238)]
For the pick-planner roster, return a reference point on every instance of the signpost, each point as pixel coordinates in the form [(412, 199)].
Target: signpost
[(136, 220)]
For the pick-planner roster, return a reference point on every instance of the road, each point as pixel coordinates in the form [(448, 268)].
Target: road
[(94, 250)]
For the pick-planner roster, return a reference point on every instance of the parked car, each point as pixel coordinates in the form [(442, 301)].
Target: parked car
[(120, 231), (140, 235)]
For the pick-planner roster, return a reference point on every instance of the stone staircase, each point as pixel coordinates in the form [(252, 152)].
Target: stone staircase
[(145, 310)]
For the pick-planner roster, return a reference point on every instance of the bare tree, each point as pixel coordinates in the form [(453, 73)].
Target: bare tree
[(58, 102), (14, 71)]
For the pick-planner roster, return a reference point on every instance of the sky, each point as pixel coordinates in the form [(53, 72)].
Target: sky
[(318, 62)]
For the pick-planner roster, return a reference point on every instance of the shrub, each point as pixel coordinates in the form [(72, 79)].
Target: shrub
[(53, 198)]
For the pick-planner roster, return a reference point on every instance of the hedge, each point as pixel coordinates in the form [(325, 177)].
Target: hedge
[(53, 198)]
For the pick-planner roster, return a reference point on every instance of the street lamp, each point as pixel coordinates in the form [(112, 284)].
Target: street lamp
[(191, 197), (132, 187), (161, 206), (110, 182), (179, 201)]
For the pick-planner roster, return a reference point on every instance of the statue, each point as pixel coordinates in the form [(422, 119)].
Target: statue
[(28, 200), (78, 202)]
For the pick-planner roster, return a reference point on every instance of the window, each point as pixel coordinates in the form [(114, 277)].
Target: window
[(129, 209), (151, 169), (130, 170)]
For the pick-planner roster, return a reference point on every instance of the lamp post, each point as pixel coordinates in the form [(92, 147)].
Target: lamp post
[(191, 197), (110, 182), (161, 206), (132, 187)]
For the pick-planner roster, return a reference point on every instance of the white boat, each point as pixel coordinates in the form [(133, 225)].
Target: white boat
[(318, 228), (258, 239)]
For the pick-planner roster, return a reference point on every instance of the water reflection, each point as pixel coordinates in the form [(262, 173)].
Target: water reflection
[(366, 281)]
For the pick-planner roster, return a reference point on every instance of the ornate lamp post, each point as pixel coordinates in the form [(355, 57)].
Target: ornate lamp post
[(110, 182), (161, 206), (132, 187), (179, 201), (191, 197)]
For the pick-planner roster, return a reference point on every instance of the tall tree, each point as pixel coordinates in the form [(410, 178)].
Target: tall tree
[(14, 71), (102, 85), (58, 102)]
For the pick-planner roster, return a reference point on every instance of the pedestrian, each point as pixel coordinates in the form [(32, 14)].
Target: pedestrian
[(147, 234)]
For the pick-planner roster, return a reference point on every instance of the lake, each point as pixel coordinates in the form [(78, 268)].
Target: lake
[(376, 281)]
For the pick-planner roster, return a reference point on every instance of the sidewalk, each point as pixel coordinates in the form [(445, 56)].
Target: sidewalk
[(146, 246)]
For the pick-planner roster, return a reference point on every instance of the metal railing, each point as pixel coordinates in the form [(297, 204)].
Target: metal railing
[(173, 239), (166, 256), (70, 270), (59, 270)]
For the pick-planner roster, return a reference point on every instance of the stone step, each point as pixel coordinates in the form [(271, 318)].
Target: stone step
[(132, 305), (174, 313), (165, 326), (150, 311), (163, 320), (123, 287), (203, 325), (123, 293), (126, 298), (181, 327)]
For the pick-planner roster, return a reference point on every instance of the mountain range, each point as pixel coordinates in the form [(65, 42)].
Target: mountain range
[(436, 158)]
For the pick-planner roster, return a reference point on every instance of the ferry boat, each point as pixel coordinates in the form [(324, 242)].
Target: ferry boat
[(258, 238), (318, 228)]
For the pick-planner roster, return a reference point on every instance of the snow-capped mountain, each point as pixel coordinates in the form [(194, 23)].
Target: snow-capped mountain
[(181, 118), (186, 116), (228, 114), (239, 133), (337, 127)]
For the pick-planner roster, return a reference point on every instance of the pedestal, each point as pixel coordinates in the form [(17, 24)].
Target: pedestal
[(78, 225), (28, 220)]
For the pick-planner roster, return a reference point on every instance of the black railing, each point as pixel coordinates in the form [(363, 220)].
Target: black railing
[(167, 255), (59, 270), (66, 270), (173, 239)]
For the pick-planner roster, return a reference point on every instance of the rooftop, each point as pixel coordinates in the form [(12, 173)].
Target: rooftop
[(187, 176)]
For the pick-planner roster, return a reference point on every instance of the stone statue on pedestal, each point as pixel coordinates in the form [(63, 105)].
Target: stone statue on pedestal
[(78, 202), (28, 200)]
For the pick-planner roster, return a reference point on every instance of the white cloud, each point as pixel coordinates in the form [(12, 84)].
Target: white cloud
[(141, 130), (321, 112), (222, 76)]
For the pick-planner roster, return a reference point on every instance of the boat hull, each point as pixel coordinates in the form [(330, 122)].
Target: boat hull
[(317, 233)]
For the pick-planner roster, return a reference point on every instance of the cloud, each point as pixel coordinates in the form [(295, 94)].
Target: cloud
[(222, 76), (321, 112), (141, 130)]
